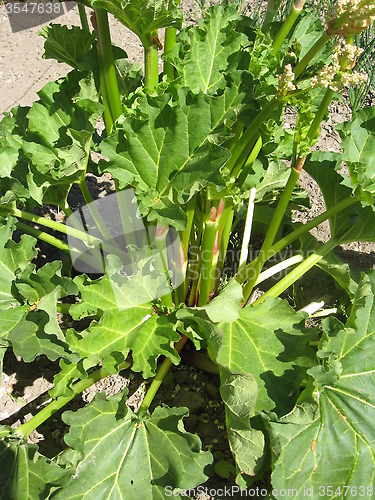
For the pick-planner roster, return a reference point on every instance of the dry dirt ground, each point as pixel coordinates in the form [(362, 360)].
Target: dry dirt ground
[(23, 72)]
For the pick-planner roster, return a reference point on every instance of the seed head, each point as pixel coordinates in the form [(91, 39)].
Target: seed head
[(356, 20), (286, 80), (353, 78), (343, 53)]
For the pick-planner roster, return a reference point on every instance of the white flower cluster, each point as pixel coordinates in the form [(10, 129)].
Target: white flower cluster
[(354, 78), (326, 76), (286, 80), (358, 17)]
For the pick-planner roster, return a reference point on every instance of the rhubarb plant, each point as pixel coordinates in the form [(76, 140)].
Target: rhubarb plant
[(199, 162)]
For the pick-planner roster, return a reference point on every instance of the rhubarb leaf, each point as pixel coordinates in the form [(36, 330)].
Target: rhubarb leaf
[(266, 341), (14, 257), (227, 305), (329, 436), (16, 179), (116, 291), (53, 140), (322, 167), (66, 45), (239, 393), (118, 332), (141, 152), (25, 473), (205, 49), (33, 327), (142, 16), (140, 455), (358, 143), (69, 372), (356, 222)]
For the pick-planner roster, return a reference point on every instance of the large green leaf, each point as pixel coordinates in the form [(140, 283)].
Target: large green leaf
[(204, 51), (76, 47), (25, 473), (266, 341), (33, 328), (168, 151), (128, 322), (263, 65), (137, 329), (13, 258), (28, 316), (270, 182), (227, 305), (66, 45), (8, 157), (34, 285), (52, 139), (356, 222), (307, 30), (345, 276), (96, 294), (141, 16), (69, 372), (199, 323), (358, 143), (363, 228), (14, 171), (323, 167), (239, 393), (139, 455), (63, 123), (114, 291), (329, 438)]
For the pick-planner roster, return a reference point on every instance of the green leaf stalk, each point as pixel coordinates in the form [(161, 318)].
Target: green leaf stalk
[(151, 58), (287, 25), (83, 18), (271, 11), (28, 427), (169, 43), (109, 84)]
